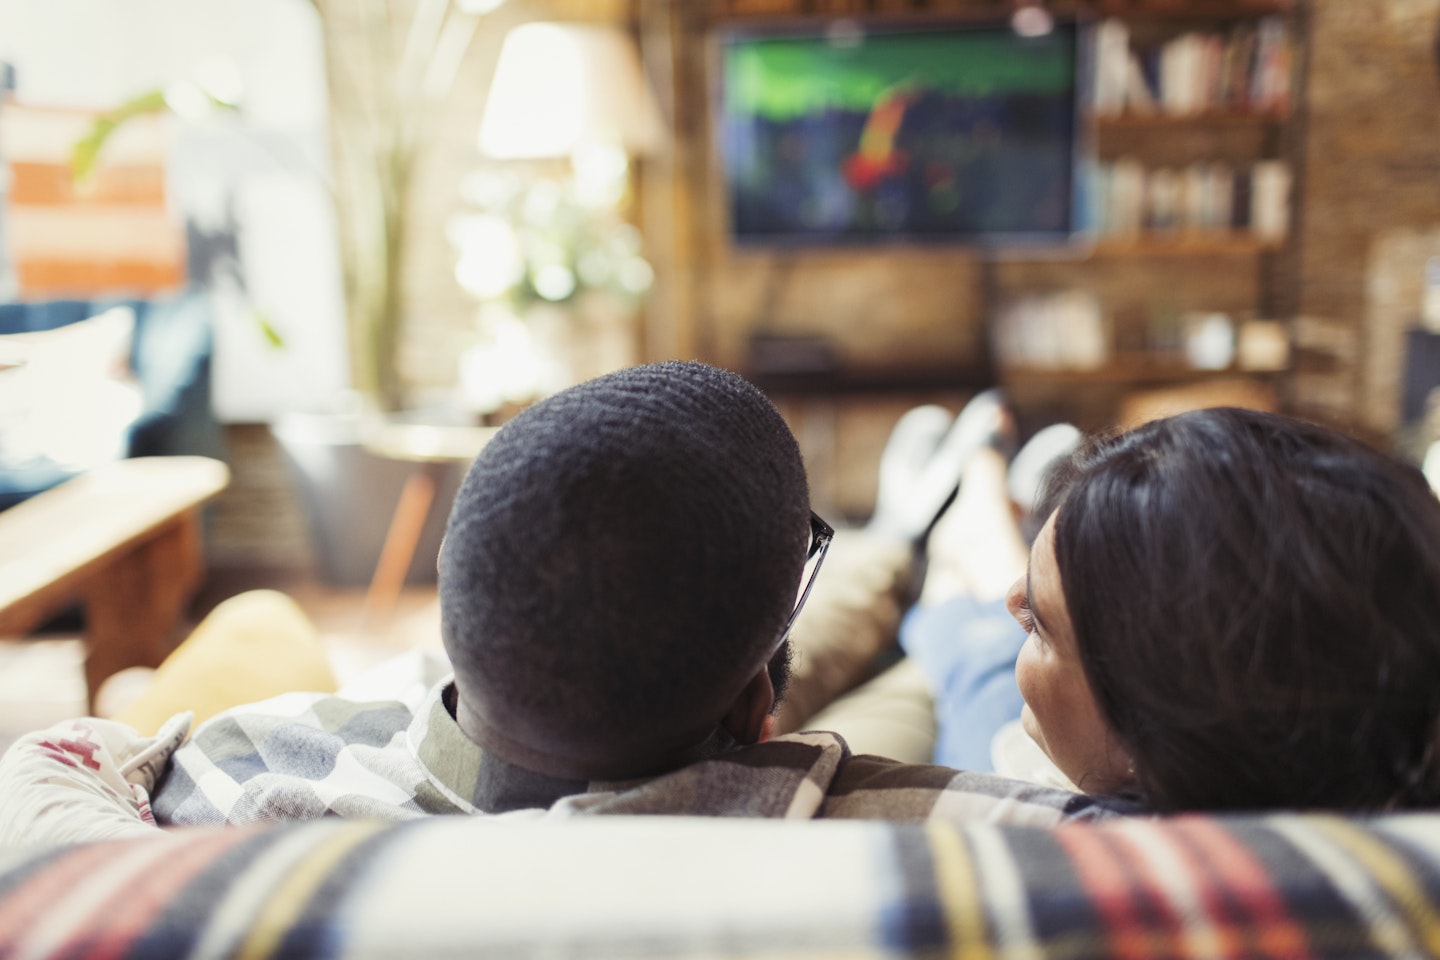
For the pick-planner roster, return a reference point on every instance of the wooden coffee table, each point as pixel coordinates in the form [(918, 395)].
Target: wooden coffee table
[(123, 540)]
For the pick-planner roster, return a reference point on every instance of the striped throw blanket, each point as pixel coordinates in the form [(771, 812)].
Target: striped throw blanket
[(1283, 886)]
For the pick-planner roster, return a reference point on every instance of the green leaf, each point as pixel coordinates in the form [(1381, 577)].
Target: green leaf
[(273, 337), (85, 155)]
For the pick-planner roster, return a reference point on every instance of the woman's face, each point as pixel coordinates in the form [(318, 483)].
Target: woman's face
[(1060, 712)]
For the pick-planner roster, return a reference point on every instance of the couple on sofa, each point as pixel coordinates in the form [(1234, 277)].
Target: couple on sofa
[(1227, 609)]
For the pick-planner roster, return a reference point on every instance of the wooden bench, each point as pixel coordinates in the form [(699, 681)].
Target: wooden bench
[(124, 540)]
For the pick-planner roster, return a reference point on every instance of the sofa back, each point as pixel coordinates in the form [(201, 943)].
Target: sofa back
[(1278, 886)]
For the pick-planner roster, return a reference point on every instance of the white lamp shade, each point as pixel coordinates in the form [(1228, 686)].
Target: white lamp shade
[(558, 86)]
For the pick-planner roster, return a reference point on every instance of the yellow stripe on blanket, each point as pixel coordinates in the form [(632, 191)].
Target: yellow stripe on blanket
[(1388, 869), (959, 891), (291, 896)]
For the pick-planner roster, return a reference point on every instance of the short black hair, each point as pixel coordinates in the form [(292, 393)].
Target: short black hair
[(621, 559), (1256, 602)]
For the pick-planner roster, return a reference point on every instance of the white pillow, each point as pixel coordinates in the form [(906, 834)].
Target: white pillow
[(70, 396)]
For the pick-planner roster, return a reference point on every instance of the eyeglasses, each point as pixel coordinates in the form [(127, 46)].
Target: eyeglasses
[(821, 533)]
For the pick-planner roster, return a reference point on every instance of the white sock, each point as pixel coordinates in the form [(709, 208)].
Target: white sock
[(911, 445), (1034, 461)]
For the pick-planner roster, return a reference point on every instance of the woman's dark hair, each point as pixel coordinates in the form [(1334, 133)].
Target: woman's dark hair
[(1256, 602), (622, 556)]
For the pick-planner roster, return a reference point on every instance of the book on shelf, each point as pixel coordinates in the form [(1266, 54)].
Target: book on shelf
[(1270, 199), (1120, 191), (1138, 101), (1162, 200), (1112, 50), (1128, 199), (1243, 69), (1058, 330), (1270, 87)]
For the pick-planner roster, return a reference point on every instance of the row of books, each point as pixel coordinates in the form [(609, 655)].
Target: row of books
[(1058, 330), (1244, 69), (1069, 330), (1127, 198)]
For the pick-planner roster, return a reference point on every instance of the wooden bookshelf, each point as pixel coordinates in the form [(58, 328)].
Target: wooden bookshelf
[(1168, 122), (1143, 276), (873, 380), (1127, 370), (1185, 244), (1188, 9)]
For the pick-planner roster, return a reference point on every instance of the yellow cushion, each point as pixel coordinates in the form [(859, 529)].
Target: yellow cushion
[(253, 646)]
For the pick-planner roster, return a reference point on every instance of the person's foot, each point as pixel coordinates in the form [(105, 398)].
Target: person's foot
[(916, 489), (919, 488), (984, 424), (911, 445), (1031, 467), (975, 548)]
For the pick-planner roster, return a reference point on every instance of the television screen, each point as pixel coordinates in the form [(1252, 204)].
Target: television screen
[(864, 133)]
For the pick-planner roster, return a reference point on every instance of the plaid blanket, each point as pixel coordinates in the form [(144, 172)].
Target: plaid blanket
[(1284, 886), (306, 756)]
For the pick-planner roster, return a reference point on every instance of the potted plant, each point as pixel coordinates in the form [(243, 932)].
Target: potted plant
[(388, 79), (387, 83), (390, 68)]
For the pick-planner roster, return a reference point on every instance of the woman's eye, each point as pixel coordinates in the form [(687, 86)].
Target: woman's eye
[(1024, 617)]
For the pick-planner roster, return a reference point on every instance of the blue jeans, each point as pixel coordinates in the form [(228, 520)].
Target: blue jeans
[(966, 651)]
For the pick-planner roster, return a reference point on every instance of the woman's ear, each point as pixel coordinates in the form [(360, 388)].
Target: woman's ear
[(747, 716)]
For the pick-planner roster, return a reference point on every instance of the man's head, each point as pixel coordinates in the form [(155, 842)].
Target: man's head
[(618, 568)]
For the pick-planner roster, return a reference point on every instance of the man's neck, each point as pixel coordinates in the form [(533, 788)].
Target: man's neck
[(503, 786)]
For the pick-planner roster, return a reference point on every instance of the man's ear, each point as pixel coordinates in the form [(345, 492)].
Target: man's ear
[(745, 720)]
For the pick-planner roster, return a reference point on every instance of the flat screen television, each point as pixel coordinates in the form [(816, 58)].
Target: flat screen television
[(866, 132)]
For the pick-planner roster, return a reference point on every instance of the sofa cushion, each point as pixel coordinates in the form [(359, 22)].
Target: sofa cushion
[(170, 357), (71, 398), (1276, 886), (252, 647)]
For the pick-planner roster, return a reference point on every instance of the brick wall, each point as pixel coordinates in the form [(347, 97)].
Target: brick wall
[(1372, 170)]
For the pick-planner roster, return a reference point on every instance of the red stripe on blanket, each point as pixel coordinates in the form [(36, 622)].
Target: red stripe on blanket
[(1121, 895), (127, 913), (1275, 932), (43, 890), (1203, 883)]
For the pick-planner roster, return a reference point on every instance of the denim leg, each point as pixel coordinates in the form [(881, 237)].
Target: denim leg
[(966, 651)]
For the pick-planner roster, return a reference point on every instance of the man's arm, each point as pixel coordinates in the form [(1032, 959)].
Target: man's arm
[(852, 616), (85, 779), (811, 775), (868, 787)]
